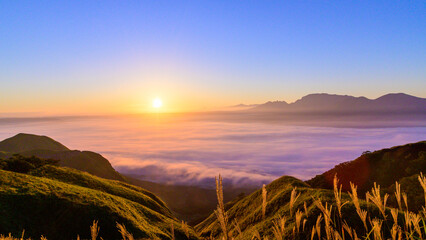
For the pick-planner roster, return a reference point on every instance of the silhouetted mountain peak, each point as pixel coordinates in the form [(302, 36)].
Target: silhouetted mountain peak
[(272, 105), (399, 98), (344, 103), (325, 98)]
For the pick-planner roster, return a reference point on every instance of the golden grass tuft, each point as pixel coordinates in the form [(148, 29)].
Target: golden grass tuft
[(279, 227), (377, 228), (94, 230), (354, 196), (422, 180), (376, 198), (398, 194), (123, 231), (264, 193), (298, 219), (293, 198), (338, 195), (220, 212), (394, 213), (404, 196)]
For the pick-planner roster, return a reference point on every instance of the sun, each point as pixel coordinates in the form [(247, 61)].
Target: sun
[(157, 103)]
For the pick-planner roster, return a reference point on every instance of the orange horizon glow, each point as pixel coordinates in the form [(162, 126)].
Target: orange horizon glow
[(137, 100)]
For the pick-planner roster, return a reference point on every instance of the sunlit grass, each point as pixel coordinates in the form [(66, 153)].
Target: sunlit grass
[(330, 222)]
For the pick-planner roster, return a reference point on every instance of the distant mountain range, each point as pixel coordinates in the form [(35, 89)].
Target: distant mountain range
[(322, 102)]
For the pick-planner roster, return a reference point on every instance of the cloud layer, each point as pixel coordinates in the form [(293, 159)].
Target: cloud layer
[(193, 152)]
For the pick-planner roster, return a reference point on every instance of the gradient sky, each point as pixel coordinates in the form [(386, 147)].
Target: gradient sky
[(116, 56)]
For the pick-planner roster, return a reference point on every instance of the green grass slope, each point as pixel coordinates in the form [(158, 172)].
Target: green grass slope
[(65, 202), (117, 188), (247, 211), (47, 148), (383, 167), (86, 161), (414, 191), (26, 142), (190, 203)]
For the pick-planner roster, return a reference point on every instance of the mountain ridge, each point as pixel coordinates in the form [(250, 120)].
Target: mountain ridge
[(45, 147), (59, 203), (22, 142), (318, 102)]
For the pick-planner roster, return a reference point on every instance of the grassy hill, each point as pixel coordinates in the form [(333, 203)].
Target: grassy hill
[(385, 167), (26, 142), (45, 147), (280, 200), (117, 188), (190, 203), (245, 218), (86, 161), (60, 203)]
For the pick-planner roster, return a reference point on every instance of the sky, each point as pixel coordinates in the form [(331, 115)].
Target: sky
[(72, 57)]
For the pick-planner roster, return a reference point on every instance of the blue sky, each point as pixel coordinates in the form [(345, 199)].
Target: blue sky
[(89, 56)]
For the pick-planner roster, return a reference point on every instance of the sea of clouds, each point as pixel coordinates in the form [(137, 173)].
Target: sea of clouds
[(179, 151)]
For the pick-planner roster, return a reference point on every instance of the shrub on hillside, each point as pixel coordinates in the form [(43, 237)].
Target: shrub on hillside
[(21, 164)]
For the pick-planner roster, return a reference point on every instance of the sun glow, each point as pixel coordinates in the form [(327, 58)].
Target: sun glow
[(157, 103)]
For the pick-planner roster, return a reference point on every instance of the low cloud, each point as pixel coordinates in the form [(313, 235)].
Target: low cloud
[(194, 152)]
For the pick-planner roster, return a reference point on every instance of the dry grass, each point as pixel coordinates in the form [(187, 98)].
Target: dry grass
[(124, 233), (185, 228), (293, 198), (398, 195), (279, 227), (94, 230), (328, 226), (338, 195), (172, 231), (237, 228), (264, 193), (376, 198), (220, 212)]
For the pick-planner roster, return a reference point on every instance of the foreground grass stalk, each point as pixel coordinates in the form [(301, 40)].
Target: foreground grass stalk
[(264, 193), (94, 230), (123, 231), (279, 227), (185, 228), (338, 195), (293, 198), (398, 194), (220, 212), (376, 198)]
